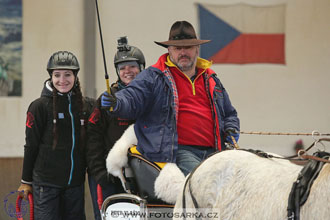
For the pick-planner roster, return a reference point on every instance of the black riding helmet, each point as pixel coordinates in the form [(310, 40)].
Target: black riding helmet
[(63, 60), (126, 53)]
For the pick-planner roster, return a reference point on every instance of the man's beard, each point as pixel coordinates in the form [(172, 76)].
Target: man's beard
[(185, 67)]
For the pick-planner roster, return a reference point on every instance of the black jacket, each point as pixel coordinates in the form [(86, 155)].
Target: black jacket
[(103, 132), (65, 165)]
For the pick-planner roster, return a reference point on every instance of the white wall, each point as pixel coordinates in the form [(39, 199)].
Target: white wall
[(48, 26), (283, 98), (274, 98)]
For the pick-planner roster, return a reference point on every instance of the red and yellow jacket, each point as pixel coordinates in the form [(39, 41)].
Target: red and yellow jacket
[(152, 99)]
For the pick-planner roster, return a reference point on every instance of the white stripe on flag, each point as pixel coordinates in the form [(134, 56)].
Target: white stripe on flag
[(251, 19)]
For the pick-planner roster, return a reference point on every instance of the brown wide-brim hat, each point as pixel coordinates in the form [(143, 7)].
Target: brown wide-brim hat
[(182, 34)]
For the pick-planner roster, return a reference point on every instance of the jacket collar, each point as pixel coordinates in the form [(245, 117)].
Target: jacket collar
[(201, 63), (48, 90)]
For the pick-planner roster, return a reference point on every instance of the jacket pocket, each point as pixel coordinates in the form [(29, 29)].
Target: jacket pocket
[(153, 137), (42, 161), (219, 102)]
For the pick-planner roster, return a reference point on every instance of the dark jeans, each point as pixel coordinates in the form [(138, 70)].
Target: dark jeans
[(106, 192), (188, 157), (54, 203)]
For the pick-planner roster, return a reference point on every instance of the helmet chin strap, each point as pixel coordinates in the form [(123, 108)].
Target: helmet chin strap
[(121, 85), (141, 67), (75, 84)]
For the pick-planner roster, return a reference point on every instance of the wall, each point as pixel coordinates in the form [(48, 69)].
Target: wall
[(48, 26), (269, 98), (283, 98)]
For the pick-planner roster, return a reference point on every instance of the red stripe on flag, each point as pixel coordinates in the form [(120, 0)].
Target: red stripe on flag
[(253, 48)]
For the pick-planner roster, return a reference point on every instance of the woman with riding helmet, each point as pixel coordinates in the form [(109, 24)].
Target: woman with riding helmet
[(54, 161), (104, 131)]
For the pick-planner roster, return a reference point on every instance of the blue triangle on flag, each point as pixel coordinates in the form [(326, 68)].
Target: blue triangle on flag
[(215, 29)]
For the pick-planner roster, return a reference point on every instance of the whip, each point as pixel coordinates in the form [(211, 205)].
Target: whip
[(106, 76), (19, 214), (314, 133)]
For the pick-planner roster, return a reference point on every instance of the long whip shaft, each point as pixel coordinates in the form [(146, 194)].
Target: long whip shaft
[(106, 76)]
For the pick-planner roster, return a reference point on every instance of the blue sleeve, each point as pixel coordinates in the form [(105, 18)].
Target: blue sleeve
[(231, 120), (134, 100), (228, 112)]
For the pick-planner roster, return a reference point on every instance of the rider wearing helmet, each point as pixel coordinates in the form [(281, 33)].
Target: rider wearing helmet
[(54, 160), (103, 131), (62, 60), (127, 56)]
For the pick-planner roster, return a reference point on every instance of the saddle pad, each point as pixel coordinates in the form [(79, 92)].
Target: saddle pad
[(145, 173), (133, 150)]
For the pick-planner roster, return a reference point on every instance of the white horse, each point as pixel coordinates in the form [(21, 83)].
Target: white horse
[(237, 184), (233, 185)]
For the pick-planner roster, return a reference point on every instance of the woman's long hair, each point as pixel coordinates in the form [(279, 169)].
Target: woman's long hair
[(79, 103)]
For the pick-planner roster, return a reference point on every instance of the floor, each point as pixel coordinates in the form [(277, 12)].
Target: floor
[(10, 175)]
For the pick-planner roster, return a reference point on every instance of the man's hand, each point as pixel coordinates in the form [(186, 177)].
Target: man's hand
[(24, 190), (231, 133), (108, 101)]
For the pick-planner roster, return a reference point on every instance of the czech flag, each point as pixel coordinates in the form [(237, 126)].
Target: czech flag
[(242, 33)]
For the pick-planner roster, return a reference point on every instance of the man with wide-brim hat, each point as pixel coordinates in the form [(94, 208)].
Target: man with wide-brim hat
[(182, 111), (182, 34), (183, 46)]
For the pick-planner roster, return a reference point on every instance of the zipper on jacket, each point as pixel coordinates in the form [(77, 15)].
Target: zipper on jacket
[(73, 138), (192, 83), (212, 103), (170, 90)]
